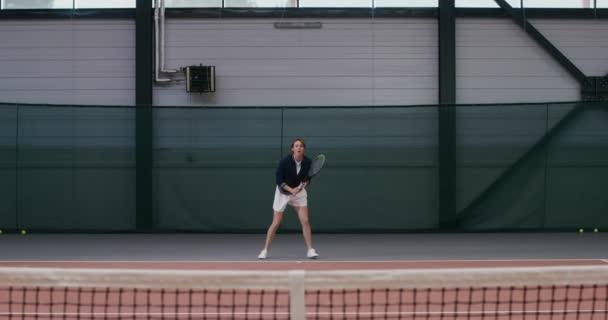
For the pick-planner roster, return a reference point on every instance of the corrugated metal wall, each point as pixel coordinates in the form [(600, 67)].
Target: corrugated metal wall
[(67, 61), (584, 42), (498, 62), (346, 62)]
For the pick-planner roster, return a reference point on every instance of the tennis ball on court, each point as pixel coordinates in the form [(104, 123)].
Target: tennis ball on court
[(23, 232), (596, 230), (581, 230)]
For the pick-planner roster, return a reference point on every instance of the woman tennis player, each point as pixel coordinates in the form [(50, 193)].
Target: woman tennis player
[(291, 178)]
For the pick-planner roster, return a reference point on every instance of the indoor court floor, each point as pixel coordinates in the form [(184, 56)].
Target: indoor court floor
[(337, 251)]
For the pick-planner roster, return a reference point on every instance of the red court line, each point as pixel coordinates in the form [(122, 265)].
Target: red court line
[(302, 265)]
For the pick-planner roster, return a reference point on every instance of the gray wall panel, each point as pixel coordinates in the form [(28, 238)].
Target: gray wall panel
[(67, 61), (584, 42), (347, 62), (498, 62)]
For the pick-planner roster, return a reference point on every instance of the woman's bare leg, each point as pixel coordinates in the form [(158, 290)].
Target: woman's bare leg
[(303, 215), (272, 230)]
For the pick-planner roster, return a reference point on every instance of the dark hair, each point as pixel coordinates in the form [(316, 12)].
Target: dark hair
[(298, 139)]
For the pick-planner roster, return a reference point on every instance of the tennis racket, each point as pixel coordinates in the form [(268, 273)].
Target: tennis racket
[(315, 168)]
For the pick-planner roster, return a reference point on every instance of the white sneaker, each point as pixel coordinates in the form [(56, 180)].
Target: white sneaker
[(311, 254), (263, 255)]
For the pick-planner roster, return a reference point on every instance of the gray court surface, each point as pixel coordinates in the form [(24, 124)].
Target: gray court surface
[(289, 247)]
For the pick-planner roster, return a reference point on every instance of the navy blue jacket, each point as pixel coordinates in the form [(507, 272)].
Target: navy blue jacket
[(286, 172)]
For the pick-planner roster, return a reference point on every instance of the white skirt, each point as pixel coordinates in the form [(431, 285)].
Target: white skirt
[(281, 201)]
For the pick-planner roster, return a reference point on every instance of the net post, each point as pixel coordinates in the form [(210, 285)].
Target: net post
[(297, 295)]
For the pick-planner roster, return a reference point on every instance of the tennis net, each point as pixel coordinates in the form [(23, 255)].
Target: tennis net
[(563, 293)]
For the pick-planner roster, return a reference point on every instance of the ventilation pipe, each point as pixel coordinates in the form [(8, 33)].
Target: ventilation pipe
[(159, 42)]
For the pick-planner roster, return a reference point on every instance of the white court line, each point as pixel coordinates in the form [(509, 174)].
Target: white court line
[(289, 261), (362, 313)]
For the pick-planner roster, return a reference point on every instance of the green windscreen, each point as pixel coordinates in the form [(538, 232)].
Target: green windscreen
[(75, 168), (577, 170), (215, 168), (8, 166), (537, 167), (381, 167), (518, 167)]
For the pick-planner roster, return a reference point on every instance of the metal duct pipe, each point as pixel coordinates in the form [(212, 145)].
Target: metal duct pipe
[(162, 39), (157, 68)]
